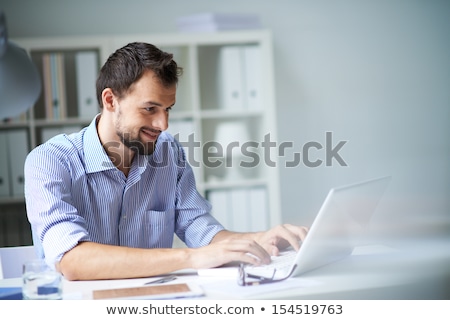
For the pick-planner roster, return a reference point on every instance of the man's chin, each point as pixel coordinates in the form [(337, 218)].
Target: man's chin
[(147, 149), (140, 148)]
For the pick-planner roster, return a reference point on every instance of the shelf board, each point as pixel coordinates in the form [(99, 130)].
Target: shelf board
[(14, 124), (60, 122), (12, 200), (224, 184), (222, 114)]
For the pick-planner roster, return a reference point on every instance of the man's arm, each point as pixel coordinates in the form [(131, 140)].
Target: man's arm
[(89, 260)]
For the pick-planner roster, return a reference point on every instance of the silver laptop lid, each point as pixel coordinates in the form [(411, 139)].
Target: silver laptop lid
[(342, 221)]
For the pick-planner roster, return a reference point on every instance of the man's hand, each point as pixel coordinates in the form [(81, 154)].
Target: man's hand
[(281, 237), (254, 248), (228, 250)]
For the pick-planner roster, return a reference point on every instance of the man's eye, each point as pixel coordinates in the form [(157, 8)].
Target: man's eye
[(169, 109)]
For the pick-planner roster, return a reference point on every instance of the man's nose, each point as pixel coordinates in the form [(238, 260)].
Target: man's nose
[(160, 121)]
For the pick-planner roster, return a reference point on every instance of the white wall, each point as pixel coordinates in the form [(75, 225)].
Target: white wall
[(375, 73)]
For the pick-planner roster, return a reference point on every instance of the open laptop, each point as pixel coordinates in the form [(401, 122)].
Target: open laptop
[(342, 221)]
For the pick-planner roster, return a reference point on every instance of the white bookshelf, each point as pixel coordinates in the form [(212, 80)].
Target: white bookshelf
[(198, 101)]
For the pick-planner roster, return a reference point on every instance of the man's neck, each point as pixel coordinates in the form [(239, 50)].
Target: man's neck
[(121, 156)]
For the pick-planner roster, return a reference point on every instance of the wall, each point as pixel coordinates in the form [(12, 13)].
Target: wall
[(374, 73)]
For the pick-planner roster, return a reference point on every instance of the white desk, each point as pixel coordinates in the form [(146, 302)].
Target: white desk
[(420, 272)]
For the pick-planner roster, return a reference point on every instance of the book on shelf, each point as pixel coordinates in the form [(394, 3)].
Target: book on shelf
[(181, 130), (252, 65), (239, 78), (240, 209), (54, 85), (86, 64), (259, 212), (77, 70), (4, 165), (231, 78), (14, 146), (219, 201)]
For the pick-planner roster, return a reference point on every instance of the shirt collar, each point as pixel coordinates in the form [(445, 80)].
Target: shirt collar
[(96, 158)]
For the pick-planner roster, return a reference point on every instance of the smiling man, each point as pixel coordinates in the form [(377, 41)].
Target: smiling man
[(106, 202)]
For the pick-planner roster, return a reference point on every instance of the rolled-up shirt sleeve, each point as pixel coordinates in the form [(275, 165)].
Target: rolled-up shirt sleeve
[(54, 219)]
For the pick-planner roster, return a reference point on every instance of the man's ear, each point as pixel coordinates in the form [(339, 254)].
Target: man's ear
[(108, 99)]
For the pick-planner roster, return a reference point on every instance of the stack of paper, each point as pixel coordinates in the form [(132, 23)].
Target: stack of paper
[(210, 22)]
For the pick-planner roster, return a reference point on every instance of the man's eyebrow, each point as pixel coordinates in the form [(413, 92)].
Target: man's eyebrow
[(157, 104), (153, 103)]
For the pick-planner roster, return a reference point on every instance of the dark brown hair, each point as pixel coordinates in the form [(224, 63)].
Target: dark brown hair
[(127, 64)]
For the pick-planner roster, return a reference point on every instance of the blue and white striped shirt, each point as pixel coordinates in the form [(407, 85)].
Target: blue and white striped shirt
[(74, 193)]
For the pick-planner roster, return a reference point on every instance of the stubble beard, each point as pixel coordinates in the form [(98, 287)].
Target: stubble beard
[(133, 142)]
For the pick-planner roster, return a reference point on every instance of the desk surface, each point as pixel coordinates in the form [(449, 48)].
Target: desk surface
[(422, 273)]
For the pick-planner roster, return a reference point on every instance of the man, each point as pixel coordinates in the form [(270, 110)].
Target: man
[(105, 203)]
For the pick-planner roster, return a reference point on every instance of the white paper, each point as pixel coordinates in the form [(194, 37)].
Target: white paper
[(231, 288)]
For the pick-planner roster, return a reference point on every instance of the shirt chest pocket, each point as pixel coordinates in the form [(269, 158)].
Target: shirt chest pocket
[(161, 224)]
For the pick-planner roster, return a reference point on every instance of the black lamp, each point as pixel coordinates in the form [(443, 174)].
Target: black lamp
[(20, 83)]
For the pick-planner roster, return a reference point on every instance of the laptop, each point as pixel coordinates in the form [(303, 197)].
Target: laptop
[(340, 225)]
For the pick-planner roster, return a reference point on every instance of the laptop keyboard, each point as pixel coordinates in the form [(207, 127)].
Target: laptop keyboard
[(279, 267)]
